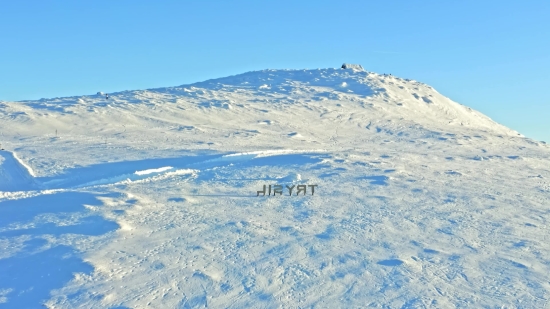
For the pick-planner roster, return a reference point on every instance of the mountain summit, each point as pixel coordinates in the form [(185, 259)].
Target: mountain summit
[(383, 97), (325, 106)]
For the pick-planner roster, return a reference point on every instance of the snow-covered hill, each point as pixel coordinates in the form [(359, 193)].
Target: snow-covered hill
[(148, 198)]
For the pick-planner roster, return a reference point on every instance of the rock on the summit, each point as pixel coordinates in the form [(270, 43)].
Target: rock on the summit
[(352, 66)]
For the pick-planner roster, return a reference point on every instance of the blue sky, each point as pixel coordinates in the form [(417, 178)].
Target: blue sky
[(491, 55)]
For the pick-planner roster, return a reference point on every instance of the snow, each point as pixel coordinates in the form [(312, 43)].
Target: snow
[(147, 199), (14, 173)]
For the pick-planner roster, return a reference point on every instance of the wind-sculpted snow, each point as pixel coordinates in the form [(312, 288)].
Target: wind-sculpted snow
[(14, 174), (148, 199)]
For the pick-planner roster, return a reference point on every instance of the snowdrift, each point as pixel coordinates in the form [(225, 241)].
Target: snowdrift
[(14, 175)]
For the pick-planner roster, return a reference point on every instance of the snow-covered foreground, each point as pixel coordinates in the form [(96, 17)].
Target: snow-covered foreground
[(148, 199)]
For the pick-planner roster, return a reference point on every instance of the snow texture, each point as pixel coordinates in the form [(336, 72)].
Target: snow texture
[(147, 198)]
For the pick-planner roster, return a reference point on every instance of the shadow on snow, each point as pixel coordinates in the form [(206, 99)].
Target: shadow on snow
[(28, 276)]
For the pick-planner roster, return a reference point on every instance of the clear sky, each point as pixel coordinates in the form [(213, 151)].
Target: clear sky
[(493, 56)]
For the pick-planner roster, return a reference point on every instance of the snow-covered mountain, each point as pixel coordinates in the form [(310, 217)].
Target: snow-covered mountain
[(148, 198)]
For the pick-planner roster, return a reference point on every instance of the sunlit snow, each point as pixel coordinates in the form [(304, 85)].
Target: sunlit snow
[(148, 198)]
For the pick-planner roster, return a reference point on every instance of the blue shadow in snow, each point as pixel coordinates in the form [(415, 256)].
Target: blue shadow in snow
[(83, 175), (327, 234), (40, 267), (92, 226), (26, 209), (290, 159), (376, 180), (390, 262), (33, 275), (176, 199)]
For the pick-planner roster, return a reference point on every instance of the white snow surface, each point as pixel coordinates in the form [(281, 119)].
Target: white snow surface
[(148, 199)]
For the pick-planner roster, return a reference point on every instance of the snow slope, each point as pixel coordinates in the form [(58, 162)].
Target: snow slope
[(148, 199), (14, 174)]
